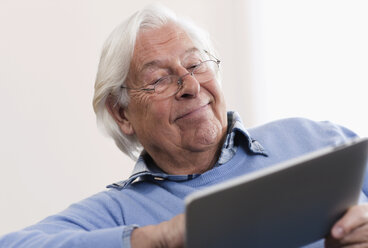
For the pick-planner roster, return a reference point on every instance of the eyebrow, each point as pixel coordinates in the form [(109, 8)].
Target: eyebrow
[(157, 63)]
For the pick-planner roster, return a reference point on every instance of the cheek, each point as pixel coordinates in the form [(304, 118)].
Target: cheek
[(160, 111), (214, 89), (153, 111), (219, 106), (140, 105)]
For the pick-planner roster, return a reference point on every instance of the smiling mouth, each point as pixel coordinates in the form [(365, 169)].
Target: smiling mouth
[(192, 112)]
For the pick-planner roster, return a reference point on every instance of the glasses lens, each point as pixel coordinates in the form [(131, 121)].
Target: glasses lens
[(206, 71), (167, 85)]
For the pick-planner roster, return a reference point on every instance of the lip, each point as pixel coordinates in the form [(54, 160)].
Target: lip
[(192, 111)]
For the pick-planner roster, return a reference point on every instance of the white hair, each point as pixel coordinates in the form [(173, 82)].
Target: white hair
[(115, 61)]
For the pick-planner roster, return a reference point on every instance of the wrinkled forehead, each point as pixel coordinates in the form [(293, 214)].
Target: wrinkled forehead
[(160, 44)]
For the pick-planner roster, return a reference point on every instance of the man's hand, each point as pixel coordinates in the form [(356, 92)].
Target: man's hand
[(351, 230), (168, 234)]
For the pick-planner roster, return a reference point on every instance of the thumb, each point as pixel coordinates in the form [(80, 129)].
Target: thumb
[(353, 218)]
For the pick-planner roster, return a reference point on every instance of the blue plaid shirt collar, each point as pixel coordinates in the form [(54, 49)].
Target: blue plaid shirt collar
[(145, 168)]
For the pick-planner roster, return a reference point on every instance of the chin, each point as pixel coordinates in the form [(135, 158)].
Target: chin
[(207, 135)]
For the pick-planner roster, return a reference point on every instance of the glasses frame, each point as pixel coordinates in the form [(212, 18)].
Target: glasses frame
[(180, 78)]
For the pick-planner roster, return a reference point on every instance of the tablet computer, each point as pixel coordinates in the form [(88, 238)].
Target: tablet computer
[(291, 204)]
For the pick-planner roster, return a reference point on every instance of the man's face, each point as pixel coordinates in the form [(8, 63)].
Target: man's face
[(194, 119)]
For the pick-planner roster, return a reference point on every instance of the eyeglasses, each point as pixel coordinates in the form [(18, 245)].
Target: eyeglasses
[(169, 85)]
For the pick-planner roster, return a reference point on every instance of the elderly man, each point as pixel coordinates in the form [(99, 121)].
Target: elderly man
[(158, 94)]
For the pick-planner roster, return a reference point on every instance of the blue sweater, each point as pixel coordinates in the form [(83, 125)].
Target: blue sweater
[(150, 196)]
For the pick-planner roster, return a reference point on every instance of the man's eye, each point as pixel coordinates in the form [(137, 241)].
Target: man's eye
[(156, 81), (192, 67)]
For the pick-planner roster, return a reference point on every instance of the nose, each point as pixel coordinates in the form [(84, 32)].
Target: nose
[(189, 87)]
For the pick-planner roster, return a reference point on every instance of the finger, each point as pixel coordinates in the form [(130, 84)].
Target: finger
[(356, 216), (357, 236), (330, 242)]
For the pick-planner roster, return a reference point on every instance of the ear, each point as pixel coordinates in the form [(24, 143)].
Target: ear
[(119, 115)]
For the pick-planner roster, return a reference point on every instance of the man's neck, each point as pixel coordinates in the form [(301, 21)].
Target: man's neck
[(188, 162)]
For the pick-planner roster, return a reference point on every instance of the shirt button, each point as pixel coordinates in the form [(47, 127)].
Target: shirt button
[(159, 178)]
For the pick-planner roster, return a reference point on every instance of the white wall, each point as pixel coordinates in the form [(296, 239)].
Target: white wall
[(311, 60), (51, 151)]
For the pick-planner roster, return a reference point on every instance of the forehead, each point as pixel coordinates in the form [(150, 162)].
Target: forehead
[(160, 44)]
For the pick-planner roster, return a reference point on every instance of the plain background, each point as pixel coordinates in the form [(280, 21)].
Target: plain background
[(279, 59)]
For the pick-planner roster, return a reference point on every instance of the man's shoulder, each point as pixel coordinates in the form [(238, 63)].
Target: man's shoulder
[(300, 125), (292, 122), (299, 131)]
